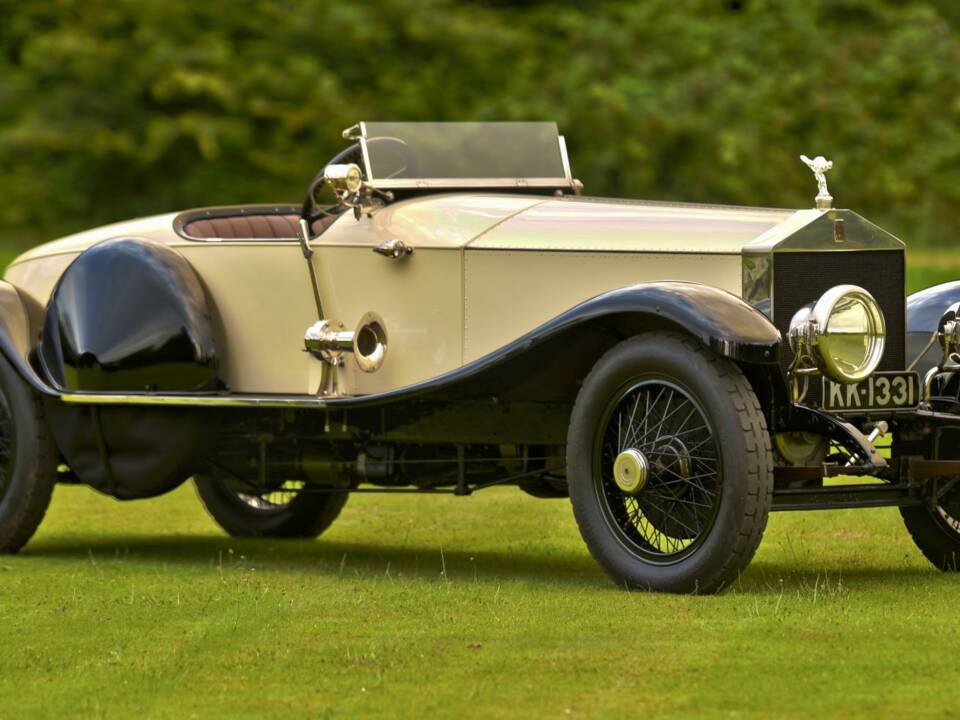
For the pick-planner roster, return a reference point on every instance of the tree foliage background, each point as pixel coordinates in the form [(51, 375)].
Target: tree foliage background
[(116, 108)]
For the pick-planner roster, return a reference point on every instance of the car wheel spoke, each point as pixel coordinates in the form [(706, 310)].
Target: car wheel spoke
[(676, 507)]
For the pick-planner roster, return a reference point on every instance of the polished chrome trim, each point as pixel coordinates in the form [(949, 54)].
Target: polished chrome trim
[(275, 401), (564, 158), (344, 178), (472, 183), (631, 470), (371, 323), (364, 152), (813, 231), (811, 339), (757, 282), (328, 340), (819, 166), (394, 249), (809, 231)]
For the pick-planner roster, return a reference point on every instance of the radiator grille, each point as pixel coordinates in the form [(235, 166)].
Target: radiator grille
[(802, 277)]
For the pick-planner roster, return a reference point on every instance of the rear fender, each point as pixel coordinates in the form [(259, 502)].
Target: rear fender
[(17, 337)]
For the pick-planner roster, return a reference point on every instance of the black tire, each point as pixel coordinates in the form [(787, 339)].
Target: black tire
[(28, 461), (303, 515), (698, 521), (935, 529), (936, 532)]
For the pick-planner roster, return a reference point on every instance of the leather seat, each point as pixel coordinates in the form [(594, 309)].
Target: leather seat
[(252, 227)]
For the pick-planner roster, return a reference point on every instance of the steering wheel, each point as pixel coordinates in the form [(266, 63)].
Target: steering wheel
[(411, 166)]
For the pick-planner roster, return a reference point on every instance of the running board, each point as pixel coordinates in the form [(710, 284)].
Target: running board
[(249, 401), (840, 497)]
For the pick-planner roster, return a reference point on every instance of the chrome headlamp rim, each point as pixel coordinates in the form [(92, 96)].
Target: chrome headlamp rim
[(811, 339), (344, 178)]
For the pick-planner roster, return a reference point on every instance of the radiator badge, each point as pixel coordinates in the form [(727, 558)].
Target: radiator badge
[(819, 165)]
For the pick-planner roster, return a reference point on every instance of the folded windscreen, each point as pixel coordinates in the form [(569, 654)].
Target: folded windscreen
[(464, 151)]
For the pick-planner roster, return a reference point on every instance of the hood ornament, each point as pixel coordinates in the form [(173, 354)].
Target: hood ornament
[(819, 165)]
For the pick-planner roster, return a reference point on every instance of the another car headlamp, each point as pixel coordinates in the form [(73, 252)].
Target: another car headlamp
[(842, 334), (345, 178)]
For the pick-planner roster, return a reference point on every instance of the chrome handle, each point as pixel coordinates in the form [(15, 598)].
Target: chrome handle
[(394, 249)]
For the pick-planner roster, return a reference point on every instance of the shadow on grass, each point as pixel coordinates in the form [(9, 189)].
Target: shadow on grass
[(324, 558), (370, 560)]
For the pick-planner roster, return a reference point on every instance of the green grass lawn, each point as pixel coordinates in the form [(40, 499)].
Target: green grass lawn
[(427, 606)]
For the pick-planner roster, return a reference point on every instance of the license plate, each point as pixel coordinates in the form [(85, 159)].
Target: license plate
[(880, 391)]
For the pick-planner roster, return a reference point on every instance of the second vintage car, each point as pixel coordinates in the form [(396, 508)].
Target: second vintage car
[(458, 316)]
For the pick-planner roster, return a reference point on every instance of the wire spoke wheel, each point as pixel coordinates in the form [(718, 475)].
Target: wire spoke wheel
[(282, 508), (274, 499), (660, 424), (669, 465)]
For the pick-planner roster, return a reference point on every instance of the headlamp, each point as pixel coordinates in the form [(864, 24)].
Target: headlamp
[(842, 334)]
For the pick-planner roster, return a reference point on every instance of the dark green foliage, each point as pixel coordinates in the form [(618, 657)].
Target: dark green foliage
[(113, 108)]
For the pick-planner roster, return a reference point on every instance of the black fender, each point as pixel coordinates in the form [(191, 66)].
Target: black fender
[(924, 309), (129, 315), (547, 362), (720, 320)]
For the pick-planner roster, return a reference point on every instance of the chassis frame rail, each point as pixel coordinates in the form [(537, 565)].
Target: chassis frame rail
[(914, 481)]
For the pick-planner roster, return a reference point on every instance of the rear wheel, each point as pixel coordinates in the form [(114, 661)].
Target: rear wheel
[(288, 511), (28, 461), (669, 466)]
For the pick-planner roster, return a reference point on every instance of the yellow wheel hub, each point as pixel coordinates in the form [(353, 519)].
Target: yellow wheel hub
[(631, 471)]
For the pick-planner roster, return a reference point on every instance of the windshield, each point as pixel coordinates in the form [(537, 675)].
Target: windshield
[(410, 154)]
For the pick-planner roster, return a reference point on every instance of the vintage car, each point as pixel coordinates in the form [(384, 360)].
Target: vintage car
[(457, 316)]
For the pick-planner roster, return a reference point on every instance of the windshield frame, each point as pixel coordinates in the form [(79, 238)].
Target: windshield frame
[(566, 182)]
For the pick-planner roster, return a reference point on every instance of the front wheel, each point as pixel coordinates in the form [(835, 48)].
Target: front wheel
[(287, 511), (669, 466)]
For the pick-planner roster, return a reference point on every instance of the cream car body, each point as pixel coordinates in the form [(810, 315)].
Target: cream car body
[(487, 269), (460, 317)]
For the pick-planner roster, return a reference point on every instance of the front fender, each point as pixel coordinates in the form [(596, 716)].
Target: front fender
[(720, 320)]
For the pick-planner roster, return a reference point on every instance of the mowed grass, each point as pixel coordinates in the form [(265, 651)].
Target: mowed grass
[(425, 606), (488, 606)]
